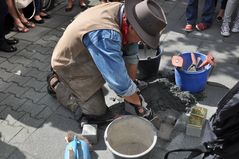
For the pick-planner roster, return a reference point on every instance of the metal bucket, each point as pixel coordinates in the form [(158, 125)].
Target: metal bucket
[(130, 137), (149, 61)]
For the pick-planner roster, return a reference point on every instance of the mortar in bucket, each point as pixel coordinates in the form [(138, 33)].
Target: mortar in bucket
[(193, 82), (130, 137), (149, 61)]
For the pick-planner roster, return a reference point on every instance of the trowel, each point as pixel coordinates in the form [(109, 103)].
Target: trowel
[(193, 66), (209, 60)]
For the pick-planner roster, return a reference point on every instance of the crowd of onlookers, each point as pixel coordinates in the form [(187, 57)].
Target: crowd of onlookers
[(23, 24), (227, 9)]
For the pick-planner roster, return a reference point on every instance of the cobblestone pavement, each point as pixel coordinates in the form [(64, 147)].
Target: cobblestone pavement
[(33, 124)]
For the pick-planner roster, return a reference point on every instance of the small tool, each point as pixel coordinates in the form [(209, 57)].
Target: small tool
[(209, 60), (193, 66)]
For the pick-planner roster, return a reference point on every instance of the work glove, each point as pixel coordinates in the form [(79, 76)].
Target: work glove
[(147, 112)]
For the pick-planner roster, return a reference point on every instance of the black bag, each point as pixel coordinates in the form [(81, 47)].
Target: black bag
[(221, 135)]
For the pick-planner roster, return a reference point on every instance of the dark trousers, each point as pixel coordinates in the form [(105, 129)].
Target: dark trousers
[(207, 13), (38, 5), (223, 4), (3, 13)]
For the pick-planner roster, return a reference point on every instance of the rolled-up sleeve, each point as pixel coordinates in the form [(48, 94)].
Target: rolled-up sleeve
[(104, 47)]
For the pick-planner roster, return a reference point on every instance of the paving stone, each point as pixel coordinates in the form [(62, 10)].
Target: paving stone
[(11, 116), (8, 66), (46, 113), (33, 95), (41, 57), (5, 149), (45, 73), (18, 79), (56, 21), (33, 109), (5, 75), (38, 48), (2, 59), (20, 69), (26, 53), (35, 84), (13, 102), (2, 107), (20, 60), (4, 85), (34, 34), (38, 65), (52, 132), (220, 74), (3, 96), (62, 111), (175, 43), (8, 131), (222, 53), (34, 73), (51, 102), (29, 122), (18, 91), (17, 154), (22, 136)]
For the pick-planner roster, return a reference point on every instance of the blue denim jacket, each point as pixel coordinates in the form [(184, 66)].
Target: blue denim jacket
[(105, 49)]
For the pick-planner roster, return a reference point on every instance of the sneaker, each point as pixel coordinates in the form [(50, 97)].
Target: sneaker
[(188, 28), (225, 29), (235, 28), (201, 26)]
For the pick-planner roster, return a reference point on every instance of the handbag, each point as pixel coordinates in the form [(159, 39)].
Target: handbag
[(22, 3)]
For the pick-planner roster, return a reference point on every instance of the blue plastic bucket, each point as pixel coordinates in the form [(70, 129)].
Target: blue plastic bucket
[(193, 82)]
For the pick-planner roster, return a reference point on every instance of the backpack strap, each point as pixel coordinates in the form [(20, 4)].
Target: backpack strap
[(120, 15), (207, 148)]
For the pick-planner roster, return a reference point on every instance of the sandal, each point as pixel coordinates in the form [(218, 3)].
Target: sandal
[(83, 6), (29, 24), (52, 84), (45, 15), (69, 8), (21, 28)]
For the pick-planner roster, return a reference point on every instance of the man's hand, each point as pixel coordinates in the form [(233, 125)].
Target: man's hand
[(143, 110)]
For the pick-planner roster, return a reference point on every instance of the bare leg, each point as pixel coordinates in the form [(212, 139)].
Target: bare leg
[(15, 15), (69, 3), (25, 21)]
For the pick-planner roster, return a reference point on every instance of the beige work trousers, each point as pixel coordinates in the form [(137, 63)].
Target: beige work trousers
[(95, 105)]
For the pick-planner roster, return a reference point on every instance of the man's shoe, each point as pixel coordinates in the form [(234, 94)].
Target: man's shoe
[(235, 28), (4, 46), (225, 29), (201, 26)]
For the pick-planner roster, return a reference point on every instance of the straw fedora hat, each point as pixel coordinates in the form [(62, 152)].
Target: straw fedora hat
[(147, 18)]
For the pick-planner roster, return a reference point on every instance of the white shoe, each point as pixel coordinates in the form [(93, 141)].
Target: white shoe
[(235, 28), (225, 29)]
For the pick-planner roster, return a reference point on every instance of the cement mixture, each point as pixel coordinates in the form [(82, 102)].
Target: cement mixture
[(163, 95)]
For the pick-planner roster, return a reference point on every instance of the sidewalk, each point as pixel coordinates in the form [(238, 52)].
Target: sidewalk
[(33, 124)]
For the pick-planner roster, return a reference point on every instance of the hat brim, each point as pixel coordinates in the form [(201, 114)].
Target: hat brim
[(152, 41)]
